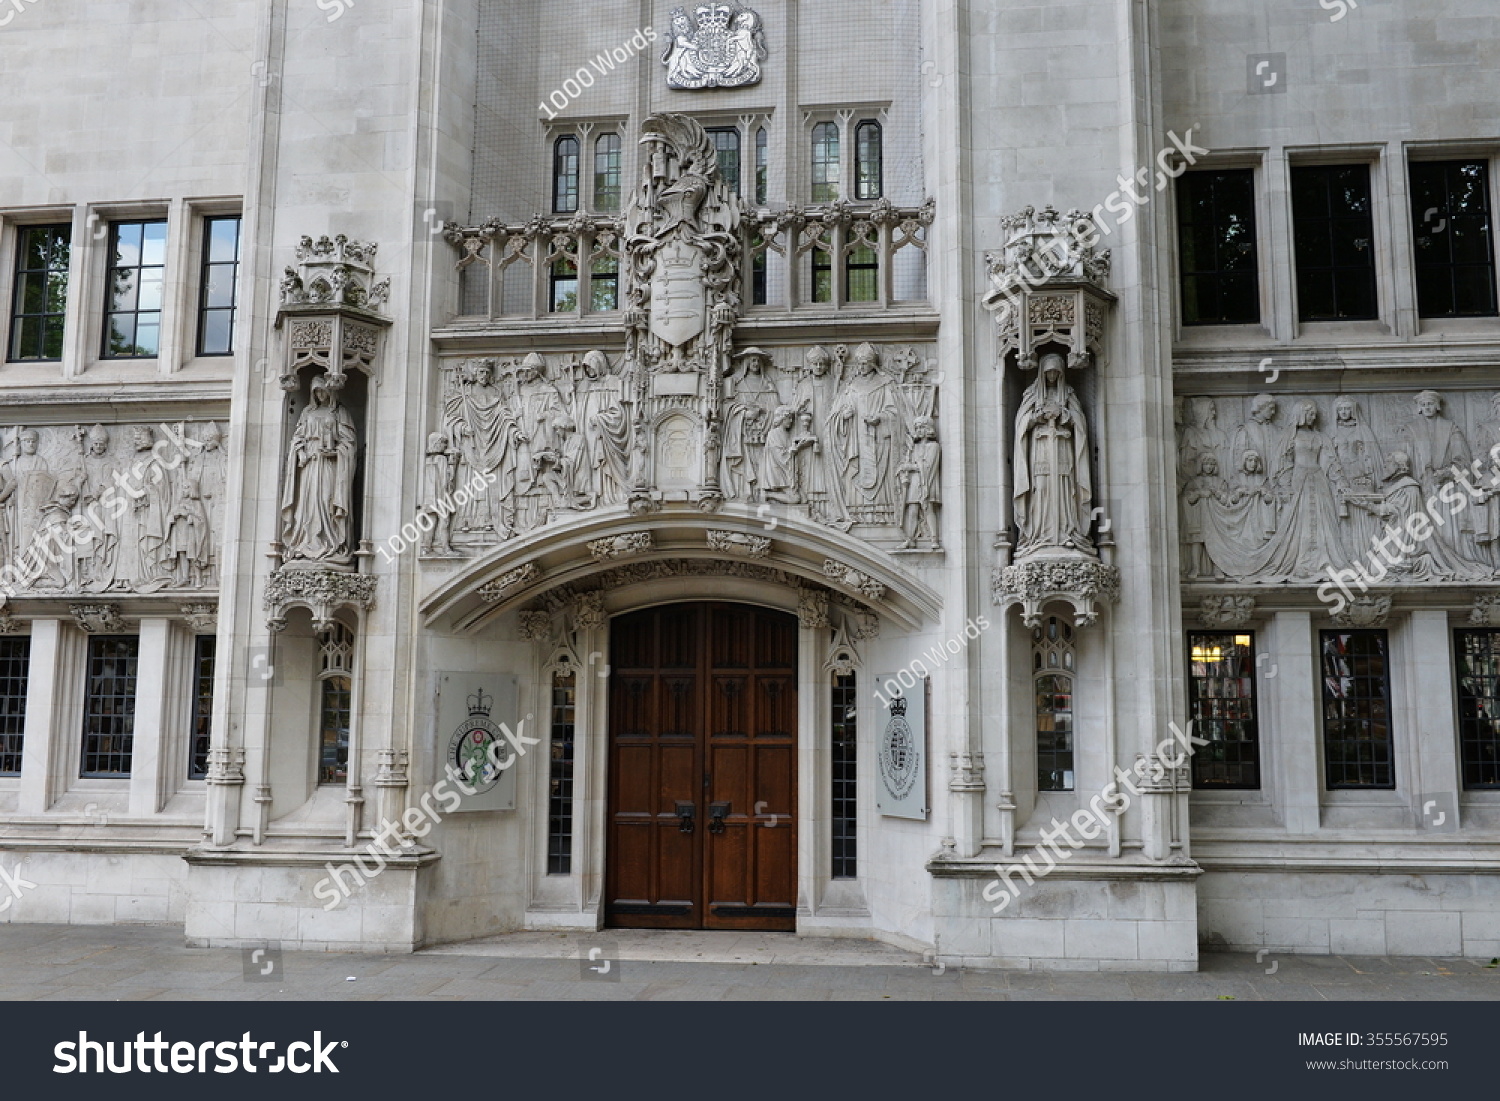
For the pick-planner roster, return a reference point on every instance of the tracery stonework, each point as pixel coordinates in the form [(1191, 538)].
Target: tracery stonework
[(1292, 488)]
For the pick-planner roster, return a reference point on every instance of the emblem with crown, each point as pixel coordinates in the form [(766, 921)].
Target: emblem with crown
[(480, 703), (898, 705)]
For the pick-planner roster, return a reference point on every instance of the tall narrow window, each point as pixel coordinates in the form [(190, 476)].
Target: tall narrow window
[(1455, 254), (564, 286), (36, 316), (220, 283), (825, 162), (132, 323), (822, 275), (560, 775), (758, 269), (15, 661), (109, 705), (565, 175), (1052, 677), (1334, 237), (727, 145), (1221, 705), (861, 276), (1216, 230), (869, 172), (762, 165), (607, 173), (604, 284), (1357, 710), (844, 766), (335, 704), (1478, 654), (203, 705)]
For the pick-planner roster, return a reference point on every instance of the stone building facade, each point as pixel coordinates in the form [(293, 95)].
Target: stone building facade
[(1012, 480)]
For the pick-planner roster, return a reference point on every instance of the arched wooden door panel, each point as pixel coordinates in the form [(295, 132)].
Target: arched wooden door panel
[(703, 769)]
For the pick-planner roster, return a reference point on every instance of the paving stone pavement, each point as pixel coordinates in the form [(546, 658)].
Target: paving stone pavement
[(137, 963)]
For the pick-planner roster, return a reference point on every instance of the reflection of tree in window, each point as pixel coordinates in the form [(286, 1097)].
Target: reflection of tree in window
[(564, 278), (1052, 673), (762, 165), (1455, 249), (825, 162), (41, 295), (822, 275), (132, 322), (727, 146), (607, 173), (861, 276), (219, 283), (1216, 241), (604, 284)]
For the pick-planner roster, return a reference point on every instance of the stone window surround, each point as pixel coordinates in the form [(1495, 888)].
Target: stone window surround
[(49, 783), (83, 331), (587, 130), (847, 117), (1395, 280)]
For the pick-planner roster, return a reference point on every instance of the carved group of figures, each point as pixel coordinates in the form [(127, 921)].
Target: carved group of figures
[(1302, 485), (124, 508), (850, 436)]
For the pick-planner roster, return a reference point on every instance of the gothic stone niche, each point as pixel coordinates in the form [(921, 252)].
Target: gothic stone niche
[(122, 508), (847, 439), (718, 46), (1295, 488)]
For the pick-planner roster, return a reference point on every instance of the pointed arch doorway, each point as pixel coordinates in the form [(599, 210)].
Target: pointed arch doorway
[(702, 827)]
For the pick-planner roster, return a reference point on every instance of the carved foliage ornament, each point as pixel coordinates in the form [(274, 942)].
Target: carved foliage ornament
[(1035, 584), (1226, 611), (321, 591), (740, 544), (334, 271), (493, 591), (620, 546), (97, 618), (1363, 611)]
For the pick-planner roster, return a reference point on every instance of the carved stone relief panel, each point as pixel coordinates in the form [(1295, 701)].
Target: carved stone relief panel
[(1398, 488), (123, 508), (845, 437)]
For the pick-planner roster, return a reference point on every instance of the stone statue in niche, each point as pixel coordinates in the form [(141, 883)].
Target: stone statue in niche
[(921, 490), (1053, 487), (317, 496)]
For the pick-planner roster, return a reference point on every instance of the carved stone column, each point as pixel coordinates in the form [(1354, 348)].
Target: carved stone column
[(226, 781)]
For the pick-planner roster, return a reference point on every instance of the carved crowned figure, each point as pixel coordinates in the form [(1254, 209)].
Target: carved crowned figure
[(1053, 489), (318, 491)]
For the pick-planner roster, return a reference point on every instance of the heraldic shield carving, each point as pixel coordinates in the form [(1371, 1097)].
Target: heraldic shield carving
[(718, 46)]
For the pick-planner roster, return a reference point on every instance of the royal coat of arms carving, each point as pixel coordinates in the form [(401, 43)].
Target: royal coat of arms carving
[(718, 46)]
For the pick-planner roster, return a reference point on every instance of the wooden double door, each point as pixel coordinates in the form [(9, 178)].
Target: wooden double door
[(703, 769)]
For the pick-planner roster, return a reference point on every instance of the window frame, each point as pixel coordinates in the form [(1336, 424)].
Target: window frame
[(1302, 225), (1065, 644), (206, 265), (843, 776), (860, 129), (562, 750), (17, 274), (1467, 769), (1419, 219), (1181, 227), (716, 132), (832, 156), (1201, 757), (126, 716), (200, 727), (13, 718), (560, 173), (111, 268), (617, 171), (1324, 699)]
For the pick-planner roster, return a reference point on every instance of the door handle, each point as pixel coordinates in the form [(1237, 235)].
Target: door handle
[(716, 813), (684, 817)]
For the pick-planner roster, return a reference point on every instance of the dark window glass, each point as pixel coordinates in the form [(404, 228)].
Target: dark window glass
[(758, 277), (1334, 236), (607, 173), (1052, 669), (1357, 710), (132, 321), (727, 146), (762, 165), (335, 708), (844, 764), (1478, 655), (1455, 252), (825, 162), (560, 778), (604, 284), (203, 705), (1216, 230), (861, 276), (15, 662), (41, 299), (220, 283), (109, 705), (564, 280), (1221, 705), (822, 275), (565, 175), (868, 170)]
